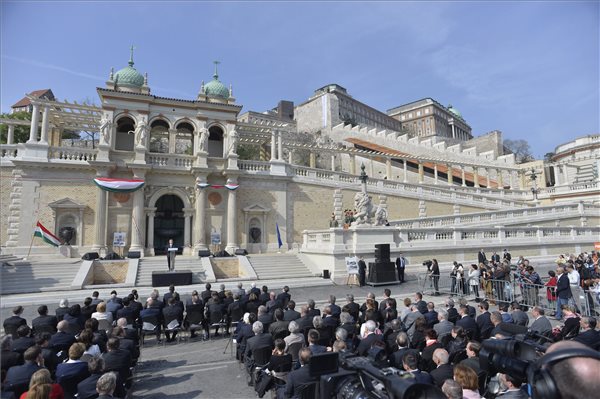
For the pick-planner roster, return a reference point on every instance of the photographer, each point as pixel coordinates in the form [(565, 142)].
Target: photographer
[(434, 274)]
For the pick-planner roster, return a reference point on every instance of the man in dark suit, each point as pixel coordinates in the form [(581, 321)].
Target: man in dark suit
[(420, 303), (73, 371), (472, 360), (313, 342), (371, 339), (87, 309), (563, 291), (481, 258), (352, 307), (305, 321), (291, 313), (254, 290), (259, 340), (107, 385), (284, 296), (279, 326), (312, 312), (117, 359), (264, 296), (495, 257), (12, 323), (588, 335), (273, 303), (540, 324), (362, 272), (431, 316), (298, 379), (400, 266), (24, 341), (328, 319), (443, 371), (467, 323), (335, 309), (171, 250), (128, 312), (63, 339), (152, 312), (452, 312), (207, 293), (172, 315), (17, 377), (44, 322), (7, 356), (484, 322), (410, 363)]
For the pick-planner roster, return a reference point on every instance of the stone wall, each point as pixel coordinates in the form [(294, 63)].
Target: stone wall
[(226, 267), (109, 272), (491, 141)]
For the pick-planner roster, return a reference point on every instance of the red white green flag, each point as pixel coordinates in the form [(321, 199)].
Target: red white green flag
[(44, 234), (119, 185)]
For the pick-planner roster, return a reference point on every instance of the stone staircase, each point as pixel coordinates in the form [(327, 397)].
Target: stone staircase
[(159, 263), (279, 266), (26, 276)]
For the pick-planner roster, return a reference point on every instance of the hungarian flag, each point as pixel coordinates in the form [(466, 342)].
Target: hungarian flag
[(119, 185), (44, 234)]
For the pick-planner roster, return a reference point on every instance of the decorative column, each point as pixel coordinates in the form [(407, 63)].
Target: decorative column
[(500, 179), (138, 227), (187, 242), (462, 175), (333, 162), (352, 164), (475, 176), (290, 156), (35, 119), (388, 168), (556, 170), (199, 220), (232, 217), (511, 179), (273, 145), (312, 162), (435, 173), (565, 174), (487, 177), (45, 124), (405, 170), (100, 221), (522, 184), (279, 146), (11, 134), (172, 141), (421, 172), (450, 175), (151, 215)]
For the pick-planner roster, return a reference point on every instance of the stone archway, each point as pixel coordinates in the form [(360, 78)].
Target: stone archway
[(169, 216)]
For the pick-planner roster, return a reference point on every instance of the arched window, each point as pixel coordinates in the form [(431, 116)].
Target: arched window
[(159, 137), (184, 142), (215, 142), (125, 140)]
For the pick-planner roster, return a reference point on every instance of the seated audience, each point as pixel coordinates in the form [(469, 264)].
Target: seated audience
[(41, 386)]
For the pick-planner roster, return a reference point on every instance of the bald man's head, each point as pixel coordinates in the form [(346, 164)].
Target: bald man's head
[(580, 372)]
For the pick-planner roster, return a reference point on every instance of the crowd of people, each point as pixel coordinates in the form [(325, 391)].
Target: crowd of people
[(90, 349)]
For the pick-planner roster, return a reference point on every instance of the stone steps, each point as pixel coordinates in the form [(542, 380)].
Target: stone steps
[(279, 267), (148, 265), (20, 276)]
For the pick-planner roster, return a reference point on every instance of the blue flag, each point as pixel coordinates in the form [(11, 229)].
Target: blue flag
[(278, 235)]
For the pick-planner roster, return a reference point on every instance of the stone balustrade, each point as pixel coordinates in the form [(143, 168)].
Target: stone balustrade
[(254, 166), (499, 216), (170, 160), (338, 240), (8, 151), (71, 154)]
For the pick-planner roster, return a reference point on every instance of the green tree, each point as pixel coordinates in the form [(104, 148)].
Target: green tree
[(21, 132), (248, 152), (521, 150)]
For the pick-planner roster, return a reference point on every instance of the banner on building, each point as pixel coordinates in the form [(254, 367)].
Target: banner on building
[(119, 185)]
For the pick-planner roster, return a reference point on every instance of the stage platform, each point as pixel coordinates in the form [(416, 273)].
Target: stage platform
[(175, 277)]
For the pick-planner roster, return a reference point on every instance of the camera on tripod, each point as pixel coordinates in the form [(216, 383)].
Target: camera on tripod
[(428, 263)]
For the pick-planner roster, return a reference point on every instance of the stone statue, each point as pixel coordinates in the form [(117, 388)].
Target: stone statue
[(364, 209), (203, 139), (141, 131), (381, 216), (233, 142), (66, 234), (105, 129)]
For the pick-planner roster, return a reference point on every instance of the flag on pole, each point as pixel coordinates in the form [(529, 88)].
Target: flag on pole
[(44, 234), (278, 235)]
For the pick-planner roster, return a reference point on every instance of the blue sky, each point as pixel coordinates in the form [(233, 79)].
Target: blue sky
[(529, 69)]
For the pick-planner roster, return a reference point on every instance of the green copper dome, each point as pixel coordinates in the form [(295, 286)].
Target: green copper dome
[(454, 111), (215, 88), (129, 76)]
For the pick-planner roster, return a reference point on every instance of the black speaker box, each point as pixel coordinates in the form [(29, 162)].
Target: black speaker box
[(382, 272), (134, 254), (203, 253), (382, 255), (384, 246), (90, 256), (241, 251), (326, 275)]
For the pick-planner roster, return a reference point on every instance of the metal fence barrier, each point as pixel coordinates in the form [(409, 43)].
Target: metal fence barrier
[(505, 291)]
